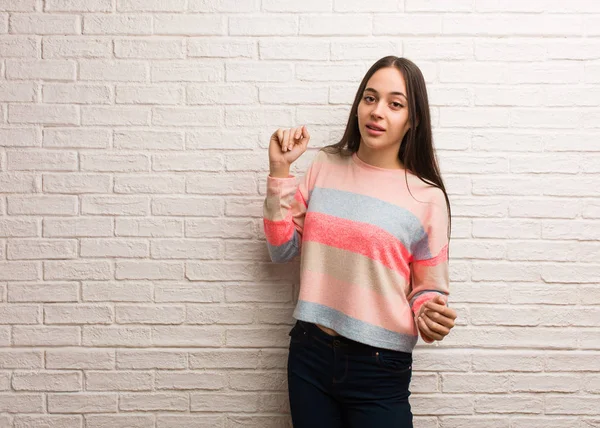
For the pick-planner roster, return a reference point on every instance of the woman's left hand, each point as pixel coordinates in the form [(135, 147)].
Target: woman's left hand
[(435, 319)]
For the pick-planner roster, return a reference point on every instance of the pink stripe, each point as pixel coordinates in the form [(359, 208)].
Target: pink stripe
[(373, 242), (279, 232), (391, 311)]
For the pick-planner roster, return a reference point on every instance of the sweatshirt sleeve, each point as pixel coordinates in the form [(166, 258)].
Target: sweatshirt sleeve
[(284, 210), (429, 266)]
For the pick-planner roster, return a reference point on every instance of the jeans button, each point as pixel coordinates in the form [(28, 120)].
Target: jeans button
[(336, 343)]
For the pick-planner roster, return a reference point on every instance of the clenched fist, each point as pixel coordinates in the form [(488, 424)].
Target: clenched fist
[(285, 147)]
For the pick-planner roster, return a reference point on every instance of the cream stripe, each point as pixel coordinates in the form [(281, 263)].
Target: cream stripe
[(352, 268)]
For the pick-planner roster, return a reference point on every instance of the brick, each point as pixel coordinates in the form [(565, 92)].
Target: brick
[(44, 160), (119, 381), (17, 91), (20, 314), (151, 270), (351, 50), (42, 205), (232, 6), (77, 270), (17, 183), (19, 271), (359, 6), (221, 139), (155, 314), (115, 205), (323, 72), (221, 94), (149, 94), (187, 162), (512, 24), (76, 94), (258, 116), (25, 23), (122, 248), (116, 116), (121, 291), (76, 183), (47, 381), (155, 401), (187, 206), (21, 228), (186, 249), (123, 24), (151, 359), (219, 228), (21, 403), (390, 24), (150, 6), (82, 403), (78, 314), (116, 71), (186, 336), (46, 336), (335, 25), (148, 140), (119, 421), (114, 162), (188, 71), (79, 5), (21, 359), (190, 380), (77, 138), (45, 292), (181, 292), (78, 227), (149, 49), (186, 116), (224, 402), (77, 47), (149, 227), (212, 184), (208, 314), (32, 249), (116, 336), (215, 47), (265, 25), (189, 25), (19, 47), (47, 421), (258, 72), (46, 114), (18, 6)]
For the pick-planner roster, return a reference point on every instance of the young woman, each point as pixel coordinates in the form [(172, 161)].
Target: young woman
[(371, 221)]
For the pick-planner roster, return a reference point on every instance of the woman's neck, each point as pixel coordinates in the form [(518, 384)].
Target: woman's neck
[(387, 159)]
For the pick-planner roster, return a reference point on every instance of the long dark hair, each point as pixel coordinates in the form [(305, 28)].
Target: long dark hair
[(416, 150)]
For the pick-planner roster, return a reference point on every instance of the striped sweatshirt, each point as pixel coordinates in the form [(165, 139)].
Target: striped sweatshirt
[(372, 248)]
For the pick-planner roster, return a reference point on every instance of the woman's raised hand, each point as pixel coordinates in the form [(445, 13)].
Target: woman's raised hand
[(285, 147)]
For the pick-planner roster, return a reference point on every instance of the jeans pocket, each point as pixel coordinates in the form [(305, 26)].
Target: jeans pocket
[(298, 334), (394, 361)]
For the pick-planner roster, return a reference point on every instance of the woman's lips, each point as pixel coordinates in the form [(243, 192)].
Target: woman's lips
[(374, 132)]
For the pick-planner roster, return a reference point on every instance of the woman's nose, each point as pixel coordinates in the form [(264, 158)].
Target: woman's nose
[(376, 112)]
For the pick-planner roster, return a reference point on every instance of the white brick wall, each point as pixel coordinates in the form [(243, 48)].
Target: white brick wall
[(135, 286)]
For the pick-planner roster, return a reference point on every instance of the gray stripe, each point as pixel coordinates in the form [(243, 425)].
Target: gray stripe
[(397, 221), (353, 328), (285, 252), (423, 292)]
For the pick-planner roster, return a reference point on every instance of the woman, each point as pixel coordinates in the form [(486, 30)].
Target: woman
[(371, 221)]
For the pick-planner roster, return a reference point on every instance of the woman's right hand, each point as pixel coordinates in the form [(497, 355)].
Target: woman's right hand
[(286, 146)]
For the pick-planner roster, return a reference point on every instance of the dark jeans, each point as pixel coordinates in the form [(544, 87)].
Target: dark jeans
[(335, 382)]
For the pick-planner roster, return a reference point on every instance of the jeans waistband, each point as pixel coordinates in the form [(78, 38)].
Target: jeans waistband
[(339, 341)]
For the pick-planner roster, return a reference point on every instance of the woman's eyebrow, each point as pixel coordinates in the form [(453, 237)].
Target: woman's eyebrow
[(391, 93)]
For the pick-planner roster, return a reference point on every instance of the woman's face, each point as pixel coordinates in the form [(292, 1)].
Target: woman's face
[(384, 105)]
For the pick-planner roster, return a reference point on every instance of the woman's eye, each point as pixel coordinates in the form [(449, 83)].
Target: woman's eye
[(397, 105), (368, 98)]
